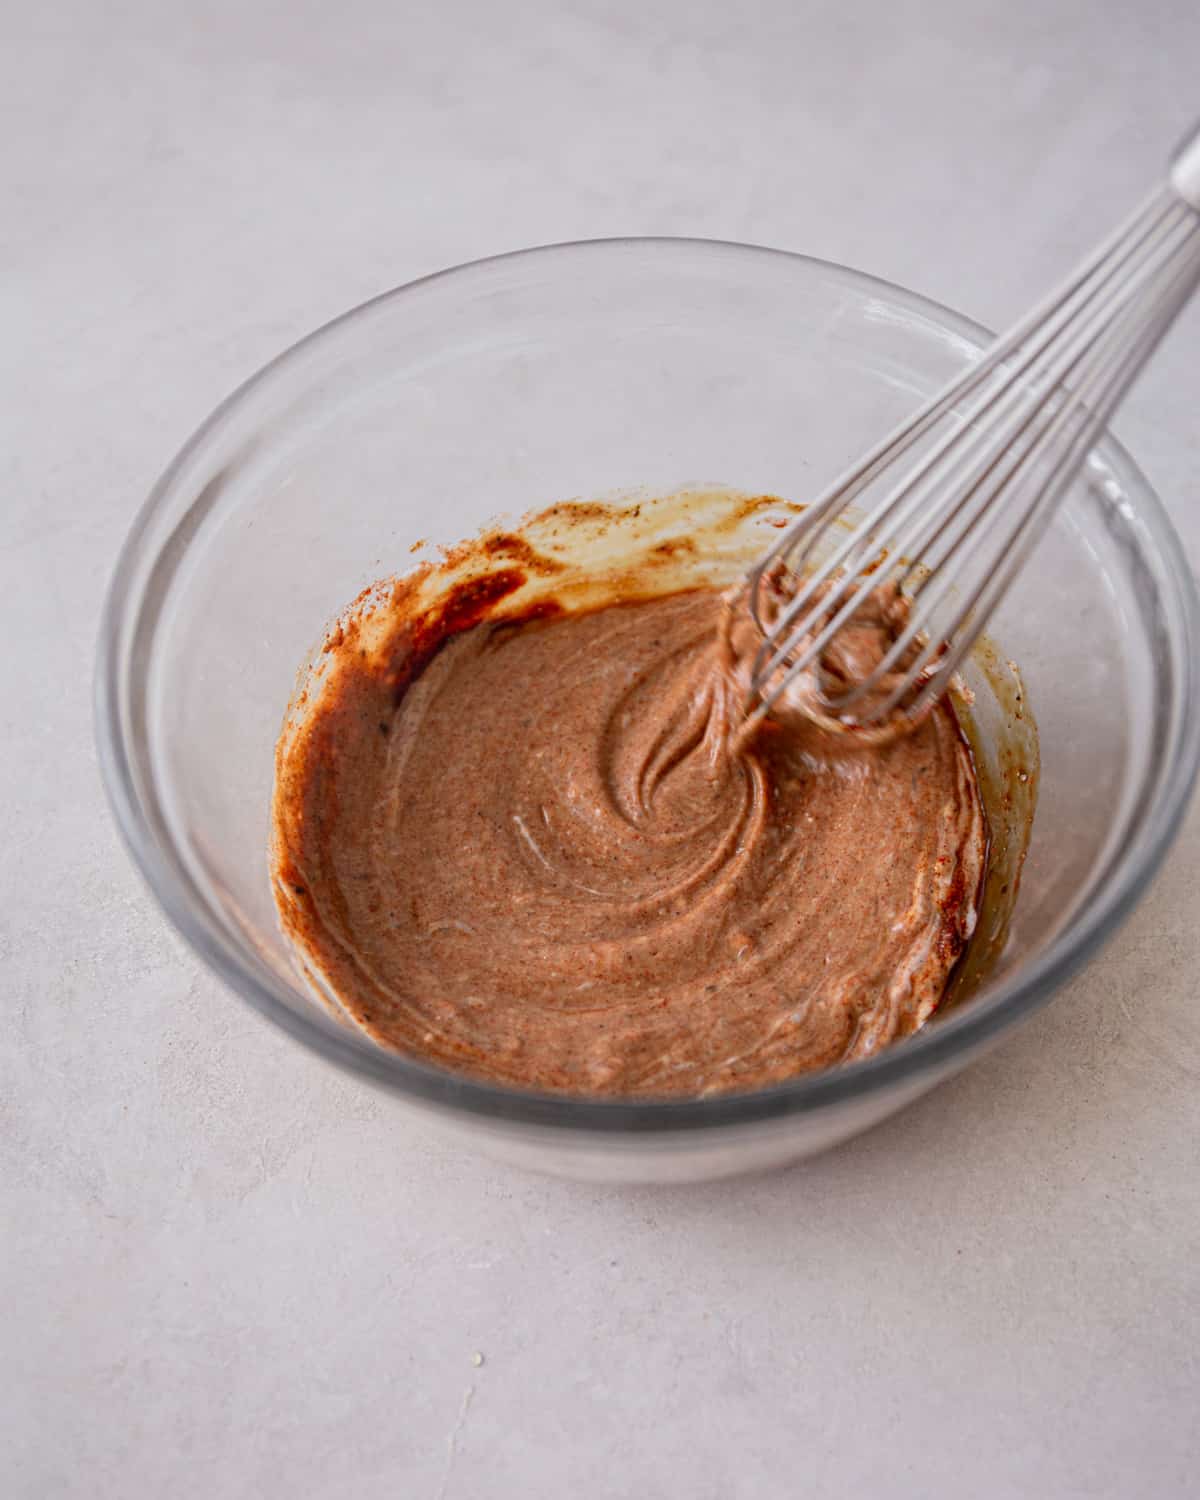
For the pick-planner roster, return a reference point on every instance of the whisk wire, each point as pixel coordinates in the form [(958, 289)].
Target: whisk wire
[(1103, 374), (895, 444), (875, 532), (1022, 419)]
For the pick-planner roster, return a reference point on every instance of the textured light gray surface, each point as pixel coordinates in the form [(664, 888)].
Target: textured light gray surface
[(228, 1271)]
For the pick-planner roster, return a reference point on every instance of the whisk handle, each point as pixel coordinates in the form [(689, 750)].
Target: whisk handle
[(1184, 176)]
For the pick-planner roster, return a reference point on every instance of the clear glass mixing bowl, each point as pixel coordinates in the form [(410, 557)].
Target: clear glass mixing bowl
[(568, 372)]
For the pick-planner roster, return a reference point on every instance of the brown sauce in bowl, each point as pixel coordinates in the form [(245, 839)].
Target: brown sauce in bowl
[(516, 834)]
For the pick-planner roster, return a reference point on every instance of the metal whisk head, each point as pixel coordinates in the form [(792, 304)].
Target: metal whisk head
[(947, 507)]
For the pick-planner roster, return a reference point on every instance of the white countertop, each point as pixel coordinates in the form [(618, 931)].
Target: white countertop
[(227, 1270)]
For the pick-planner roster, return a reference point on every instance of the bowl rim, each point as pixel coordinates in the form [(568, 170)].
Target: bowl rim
[(920, 1059)]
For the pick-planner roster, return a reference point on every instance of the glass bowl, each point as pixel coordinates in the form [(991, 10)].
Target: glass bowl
[(572, 371)]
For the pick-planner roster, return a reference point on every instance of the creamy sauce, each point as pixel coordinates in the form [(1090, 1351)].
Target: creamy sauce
[(537, 851)]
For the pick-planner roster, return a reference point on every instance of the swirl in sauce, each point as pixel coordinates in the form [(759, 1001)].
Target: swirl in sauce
[(541, 854)]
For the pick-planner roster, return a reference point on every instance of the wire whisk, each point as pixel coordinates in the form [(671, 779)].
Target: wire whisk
[(943, 512)]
